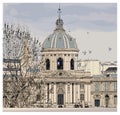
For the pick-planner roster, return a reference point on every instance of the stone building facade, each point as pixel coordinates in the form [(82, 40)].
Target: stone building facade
[(66, 85), (104, 91)]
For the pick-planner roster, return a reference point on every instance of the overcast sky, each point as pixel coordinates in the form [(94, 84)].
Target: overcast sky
[(93, 25)]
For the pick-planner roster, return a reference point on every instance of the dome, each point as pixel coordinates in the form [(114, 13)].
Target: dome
[(59, 38)]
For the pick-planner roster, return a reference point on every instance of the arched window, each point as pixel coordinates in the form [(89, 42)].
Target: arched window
[(115, 99), (72, 64), (47, 64), (38, 97), (60, 63), (107, 100)]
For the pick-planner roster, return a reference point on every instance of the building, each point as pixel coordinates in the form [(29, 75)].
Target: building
[(66, 84), (60, 53), (92, 66), (11, 67), (104, 91)]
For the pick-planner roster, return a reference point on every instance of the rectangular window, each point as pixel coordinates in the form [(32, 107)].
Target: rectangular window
[(82, 86), (97, 102), (97, 86), (107, 86), (115, 86), (81, 96), (38, 98), (60, 99), (68, 88)]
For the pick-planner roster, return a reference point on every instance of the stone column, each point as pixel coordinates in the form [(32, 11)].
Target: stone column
[(55, 63), (86, 93), (68, 63), (92, 101), (55, 95), (102, 100), (74, 93), (111, 101), (65, 63), (66, 94), (78, 85), (89, 94), (46, 90), (70, 95), (75, 63), (50, 94)]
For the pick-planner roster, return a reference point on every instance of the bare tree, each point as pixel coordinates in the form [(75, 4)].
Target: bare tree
[(21, 53)]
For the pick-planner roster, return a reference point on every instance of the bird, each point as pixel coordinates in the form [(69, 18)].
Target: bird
[(84, 52), (109, 48), (88, 32), (90, 51)]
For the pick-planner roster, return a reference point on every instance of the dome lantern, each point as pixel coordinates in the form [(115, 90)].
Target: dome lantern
[(59, 21)]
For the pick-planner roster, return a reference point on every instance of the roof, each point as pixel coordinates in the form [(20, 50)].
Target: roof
[(111, 69), (59, 38)]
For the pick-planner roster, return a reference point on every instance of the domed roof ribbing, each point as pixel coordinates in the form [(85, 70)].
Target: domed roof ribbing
[(59, 38)]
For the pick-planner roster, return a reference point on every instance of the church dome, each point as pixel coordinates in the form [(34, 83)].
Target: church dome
[(59, 38)]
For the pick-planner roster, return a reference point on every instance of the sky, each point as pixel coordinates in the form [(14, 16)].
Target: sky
[(93, 25)]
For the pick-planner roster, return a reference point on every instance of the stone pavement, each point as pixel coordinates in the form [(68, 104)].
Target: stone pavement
[(60, 110)]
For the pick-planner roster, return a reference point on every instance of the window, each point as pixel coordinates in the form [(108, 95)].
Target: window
[(115, 86), (115, 99), (60, 63), (97, 86), (107, 100), (60, 99), (82, 86), (81, 96), (72, 64), (38, 98), (97, 102), (107, 86), (47, 64)]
